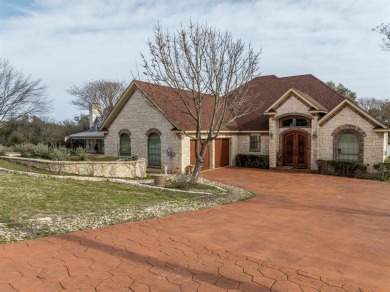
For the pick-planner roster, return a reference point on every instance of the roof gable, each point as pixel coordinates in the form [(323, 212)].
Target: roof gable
[(124, 99), (309, 101), (347, 103)]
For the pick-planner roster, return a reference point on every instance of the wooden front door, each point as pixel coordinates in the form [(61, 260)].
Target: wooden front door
[(296, 150)]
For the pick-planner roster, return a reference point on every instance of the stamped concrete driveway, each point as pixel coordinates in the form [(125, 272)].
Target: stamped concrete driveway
[(302, 232), (331, 226)]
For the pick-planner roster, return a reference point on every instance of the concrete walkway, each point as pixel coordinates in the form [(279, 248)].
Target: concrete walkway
[(302, 232)]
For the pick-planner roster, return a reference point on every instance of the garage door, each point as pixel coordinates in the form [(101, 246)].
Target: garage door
[(206, 164), (222, 152)]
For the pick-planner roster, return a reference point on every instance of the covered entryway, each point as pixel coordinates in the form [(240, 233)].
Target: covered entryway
[(296, 149), (206, 164), (222, 152)]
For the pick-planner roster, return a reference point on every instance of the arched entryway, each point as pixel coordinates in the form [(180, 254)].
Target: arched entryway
[(154, 150), (296, 149)]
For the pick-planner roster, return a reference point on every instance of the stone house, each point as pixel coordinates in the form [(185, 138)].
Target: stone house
[(299, 119)]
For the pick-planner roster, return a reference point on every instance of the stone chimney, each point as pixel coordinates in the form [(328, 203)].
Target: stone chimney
[(93, 113)]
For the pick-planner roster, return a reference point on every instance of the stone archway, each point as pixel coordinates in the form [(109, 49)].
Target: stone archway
[(348, 129)]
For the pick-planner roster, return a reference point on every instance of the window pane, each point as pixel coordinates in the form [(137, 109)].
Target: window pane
[(348, 147), (154, 150), (295, 122), (125, 145), (254, 143)]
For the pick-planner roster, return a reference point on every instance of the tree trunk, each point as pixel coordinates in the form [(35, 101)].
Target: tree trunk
[(196, 172)]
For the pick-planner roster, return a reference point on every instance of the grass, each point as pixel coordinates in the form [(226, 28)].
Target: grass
[(20, 167), (73, 205)]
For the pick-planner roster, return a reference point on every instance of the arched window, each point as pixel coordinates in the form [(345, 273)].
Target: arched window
[(295, 122), (154, 149), (348, 143), (125, 145), (348, 147)]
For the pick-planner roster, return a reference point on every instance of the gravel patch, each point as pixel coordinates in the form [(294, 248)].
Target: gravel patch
[(54, 224)]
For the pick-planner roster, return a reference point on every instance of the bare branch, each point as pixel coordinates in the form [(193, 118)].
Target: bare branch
[(19, 95), (207, 69), (384, 29), (102, 93)]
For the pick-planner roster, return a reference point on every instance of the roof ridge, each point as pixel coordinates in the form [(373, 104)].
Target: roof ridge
[(300, 75)]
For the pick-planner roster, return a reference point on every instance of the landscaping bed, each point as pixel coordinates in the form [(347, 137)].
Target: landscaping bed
[(32, 207)]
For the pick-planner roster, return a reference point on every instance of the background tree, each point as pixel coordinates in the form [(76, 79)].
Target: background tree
[(41, 130), (101, 93), (344, 91), (19, 95), (384, 29), (50, 131), (378, 108), (206, 68)]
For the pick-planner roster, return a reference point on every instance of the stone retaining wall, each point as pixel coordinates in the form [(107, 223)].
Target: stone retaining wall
[(117, 169)]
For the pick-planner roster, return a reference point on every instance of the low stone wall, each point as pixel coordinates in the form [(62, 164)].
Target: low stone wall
[(118, 169)]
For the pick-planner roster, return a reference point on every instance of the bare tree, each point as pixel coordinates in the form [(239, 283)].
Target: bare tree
[(378, 108), (19, 95), (384, 29), (208, 70), (102, 94)]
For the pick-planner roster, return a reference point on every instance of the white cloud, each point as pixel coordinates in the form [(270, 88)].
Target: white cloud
[(70, 42)]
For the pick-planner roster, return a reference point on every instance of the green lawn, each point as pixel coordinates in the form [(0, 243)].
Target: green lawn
[(74, 205), (20, 167)]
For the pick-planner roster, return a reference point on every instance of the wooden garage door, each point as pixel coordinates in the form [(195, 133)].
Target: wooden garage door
[(222, 152), (206, 164)]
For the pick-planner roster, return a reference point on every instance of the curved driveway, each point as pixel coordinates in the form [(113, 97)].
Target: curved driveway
[(331, 226), (301, 232)]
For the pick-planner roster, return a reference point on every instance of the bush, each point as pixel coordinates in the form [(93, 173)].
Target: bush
[(79, 153), (59, 154), (383, 169), (252, 161), (341, 168), (3, 149), (25, 149), (40, 150)]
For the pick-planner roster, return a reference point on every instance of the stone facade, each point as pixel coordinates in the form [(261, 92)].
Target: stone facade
[(110, 169), (374, 144), (292, 106), (244, 144), (138, 117), (322, 138)]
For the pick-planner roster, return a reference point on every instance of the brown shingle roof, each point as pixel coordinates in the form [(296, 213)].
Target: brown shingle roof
[(270, 88), (267, 89), (167, 99)]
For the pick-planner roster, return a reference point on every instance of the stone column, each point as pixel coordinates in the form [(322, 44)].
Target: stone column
[(273, 142)]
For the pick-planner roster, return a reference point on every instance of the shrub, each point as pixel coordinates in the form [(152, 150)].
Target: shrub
[(3, 149), (61, 153), (383, 169), (341, 168), (25, 149), (252, 161), (40, 150), (79, 153)]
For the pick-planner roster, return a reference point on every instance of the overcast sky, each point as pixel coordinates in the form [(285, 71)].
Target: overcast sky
[(66, 42)]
